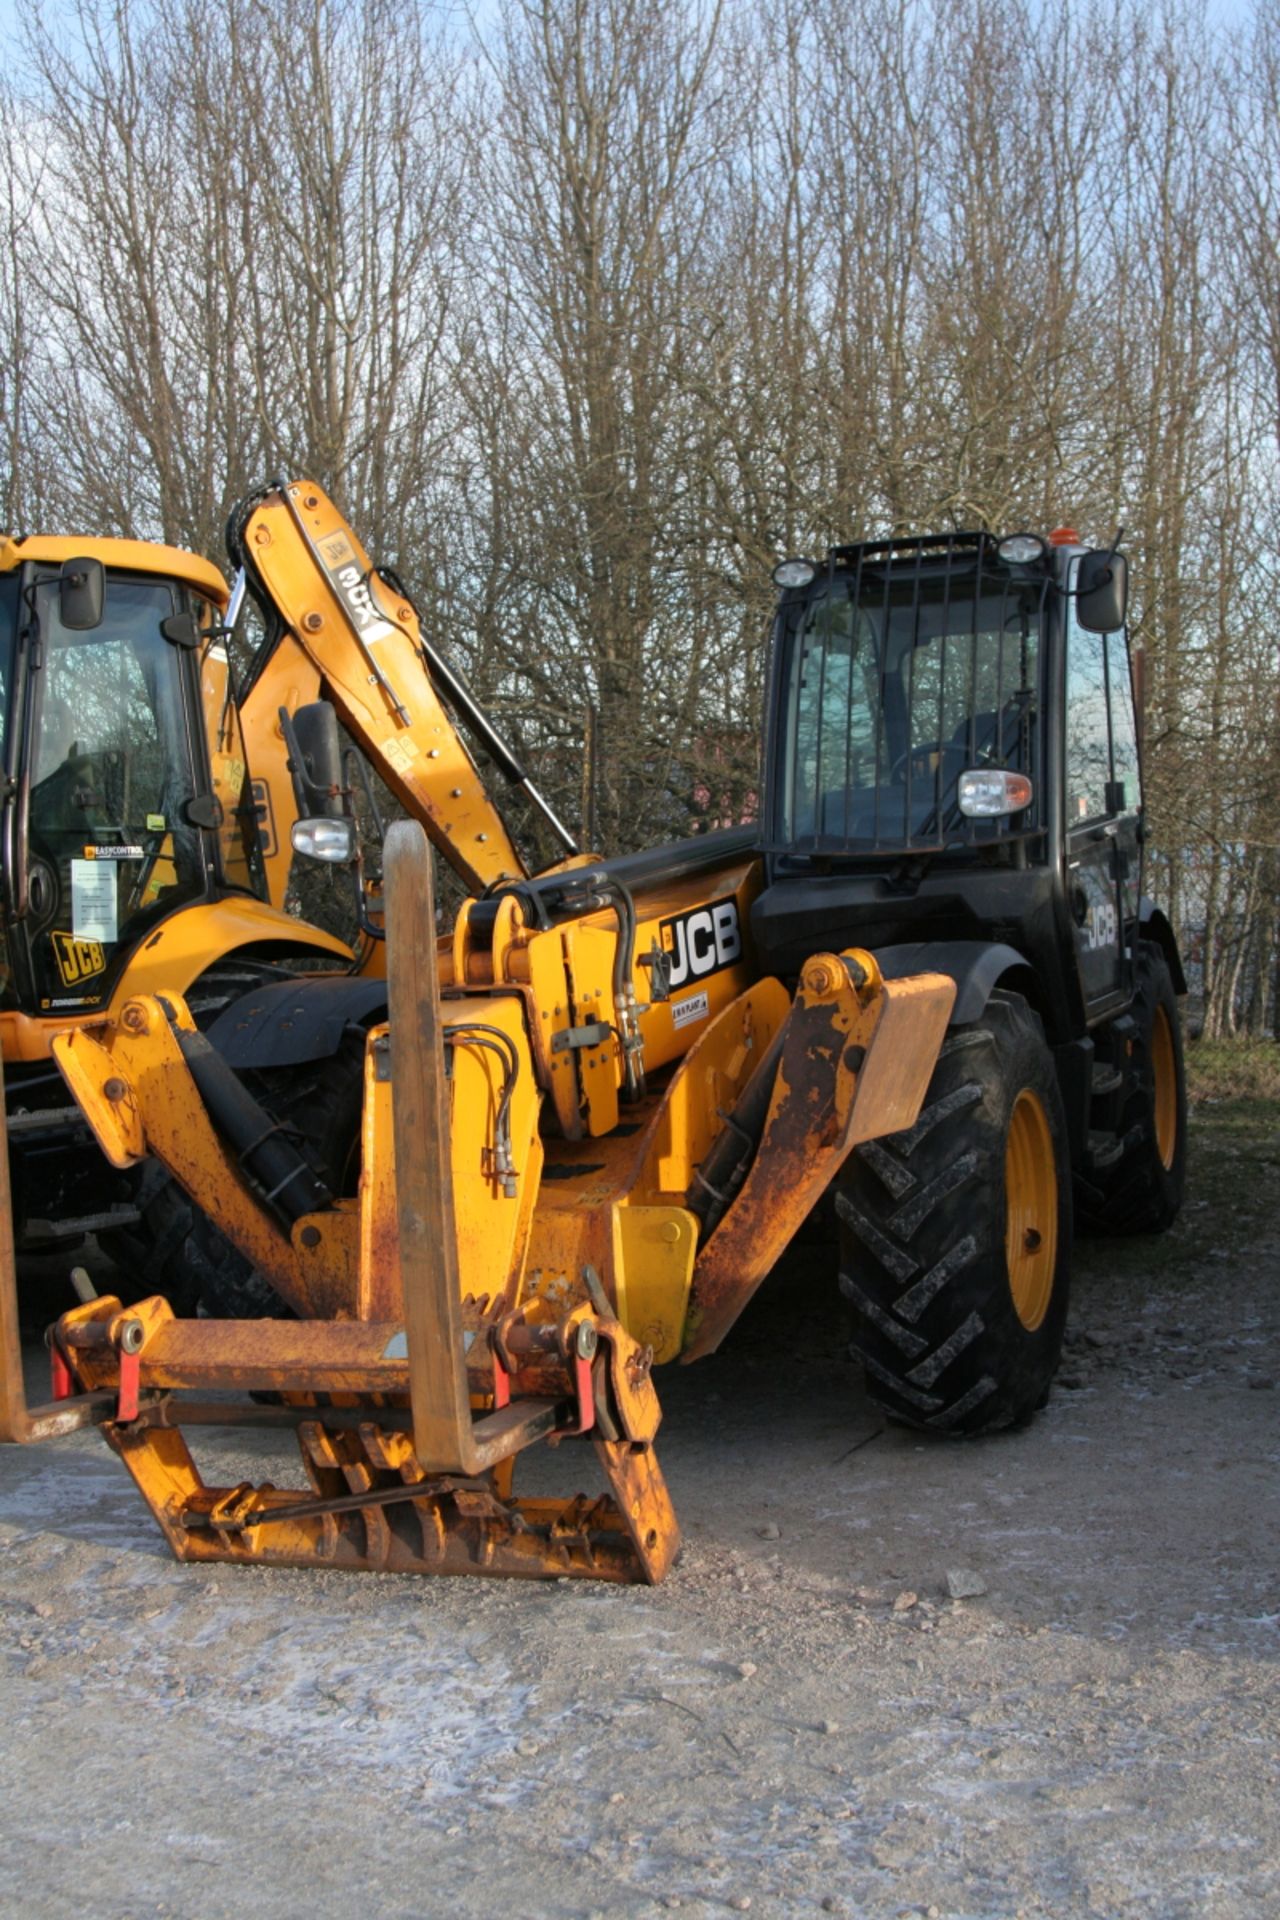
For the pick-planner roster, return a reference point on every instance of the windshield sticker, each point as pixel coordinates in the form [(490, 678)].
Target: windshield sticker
[(77, 960), (155, 823), (693, 1007), (93, 901), (74, 1000), (115, 853), (264, 816)]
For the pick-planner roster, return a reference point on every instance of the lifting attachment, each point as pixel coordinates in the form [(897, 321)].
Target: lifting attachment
[(409, 1427)]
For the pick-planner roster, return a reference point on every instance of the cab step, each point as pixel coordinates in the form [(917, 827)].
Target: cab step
[(1103, 1150), (1106, 1079)]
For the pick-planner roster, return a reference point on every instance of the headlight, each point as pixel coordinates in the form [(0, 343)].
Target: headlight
[(1021, 549), (986, 793), (793, 573), (332, 840)]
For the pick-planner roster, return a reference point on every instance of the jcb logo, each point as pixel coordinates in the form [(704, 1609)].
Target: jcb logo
[(701, 942), (77, 959), (1102, 928), (336, 550)]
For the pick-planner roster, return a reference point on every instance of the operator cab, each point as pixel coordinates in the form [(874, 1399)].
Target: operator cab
[(907, 680), (952, 759), (126, 793)]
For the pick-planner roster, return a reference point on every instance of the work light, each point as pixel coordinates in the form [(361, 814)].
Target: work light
[(332, 840), (1021, 549), (985, 793)]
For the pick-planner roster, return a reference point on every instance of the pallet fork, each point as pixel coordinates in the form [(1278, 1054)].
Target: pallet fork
[(409, 1429)]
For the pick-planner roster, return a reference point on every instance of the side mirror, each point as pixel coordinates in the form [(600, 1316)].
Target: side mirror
[(82, 594), (180, 630), (315, 755), (1102, 591)]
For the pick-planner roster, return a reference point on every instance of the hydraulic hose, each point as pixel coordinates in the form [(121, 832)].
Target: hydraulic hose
[(716, 1181), (263, 1146)]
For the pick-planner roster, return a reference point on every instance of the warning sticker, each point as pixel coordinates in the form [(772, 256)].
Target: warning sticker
[(400, 753), (93, 900), (155, 823), (694, 1006)]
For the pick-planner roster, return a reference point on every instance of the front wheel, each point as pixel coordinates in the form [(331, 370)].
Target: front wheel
[(955, 1236)]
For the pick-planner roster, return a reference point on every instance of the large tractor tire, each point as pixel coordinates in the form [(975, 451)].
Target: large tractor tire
[(321, 1103), (1143, 1192), (955, 1236)]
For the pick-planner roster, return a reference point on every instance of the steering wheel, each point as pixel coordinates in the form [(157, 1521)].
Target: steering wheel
[(919, 750), (983, 756)]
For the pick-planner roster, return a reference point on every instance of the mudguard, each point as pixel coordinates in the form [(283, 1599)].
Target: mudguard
[(976, 966), (292, 1021), (1154, 926)]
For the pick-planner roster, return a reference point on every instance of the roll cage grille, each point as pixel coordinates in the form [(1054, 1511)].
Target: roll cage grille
[(938, 671)]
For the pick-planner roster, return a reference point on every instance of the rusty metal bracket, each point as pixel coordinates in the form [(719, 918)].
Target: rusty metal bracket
[(857, 1055), (570, 1039)]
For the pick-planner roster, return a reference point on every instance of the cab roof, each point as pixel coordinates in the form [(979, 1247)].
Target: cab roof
[(125, 556)]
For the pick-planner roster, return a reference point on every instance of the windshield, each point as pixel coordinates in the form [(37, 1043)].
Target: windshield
[(894, 683), (109, 845)]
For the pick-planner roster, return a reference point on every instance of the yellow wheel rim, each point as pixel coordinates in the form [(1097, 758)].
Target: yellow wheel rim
[(1165, 1069), (1031, 1209)]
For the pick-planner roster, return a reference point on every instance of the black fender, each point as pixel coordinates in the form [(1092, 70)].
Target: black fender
[(1153, 925), (979, 966), (293, 1021), (976, 966)]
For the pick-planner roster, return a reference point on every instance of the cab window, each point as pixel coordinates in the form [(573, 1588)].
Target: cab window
[(1088, 738), (1124, 729), (1102, 735)]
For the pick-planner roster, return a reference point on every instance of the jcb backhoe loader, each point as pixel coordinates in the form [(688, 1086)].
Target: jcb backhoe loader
[(128, 746), (132, 844), (601, 1107)]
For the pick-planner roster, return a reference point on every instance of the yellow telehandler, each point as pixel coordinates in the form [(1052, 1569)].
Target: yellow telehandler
[(598, 1109)]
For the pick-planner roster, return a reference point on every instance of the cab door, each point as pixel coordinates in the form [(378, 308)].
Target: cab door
[(1102, 808)]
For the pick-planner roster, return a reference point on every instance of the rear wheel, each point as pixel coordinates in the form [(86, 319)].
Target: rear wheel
[(955, 1236), (1143, 1192)]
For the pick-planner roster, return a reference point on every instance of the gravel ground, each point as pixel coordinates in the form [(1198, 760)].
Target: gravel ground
[(801, 1721)]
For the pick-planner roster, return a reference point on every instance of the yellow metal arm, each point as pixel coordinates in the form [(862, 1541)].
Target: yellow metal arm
[(353, 640)]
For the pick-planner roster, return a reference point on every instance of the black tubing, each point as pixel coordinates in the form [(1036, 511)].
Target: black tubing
[(265, 1151), (716, 1182)]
